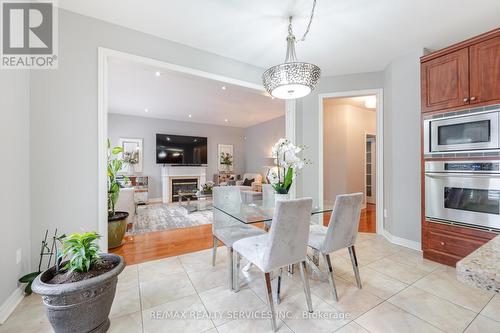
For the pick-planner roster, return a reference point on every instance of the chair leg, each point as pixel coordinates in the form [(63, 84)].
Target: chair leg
[(214, 251), (270, 301), (236, 271), (278, 289), (354, 262), (305, 282), (230, 267), (330, 276)]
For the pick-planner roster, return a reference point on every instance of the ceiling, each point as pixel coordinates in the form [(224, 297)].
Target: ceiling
[(134, 88), (347, 36)]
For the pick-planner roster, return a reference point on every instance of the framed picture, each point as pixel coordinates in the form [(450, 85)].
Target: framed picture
[(132, 155), (225, 158)]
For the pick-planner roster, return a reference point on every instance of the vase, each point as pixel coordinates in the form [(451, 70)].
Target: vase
[(281, 197)]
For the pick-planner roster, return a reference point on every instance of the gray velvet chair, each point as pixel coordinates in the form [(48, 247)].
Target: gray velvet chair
[(285, 244), (225, 228), (341, 233)]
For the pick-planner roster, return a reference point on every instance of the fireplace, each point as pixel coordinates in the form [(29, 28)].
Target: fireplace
[(169, 174), (183, 185)]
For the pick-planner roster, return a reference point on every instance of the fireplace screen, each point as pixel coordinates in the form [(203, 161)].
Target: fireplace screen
[(185, 188)]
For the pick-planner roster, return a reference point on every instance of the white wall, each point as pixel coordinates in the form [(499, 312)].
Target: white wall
[(122, 126), (344, 140), (63, 115), (14, 168), (258, 142), (402, 146)]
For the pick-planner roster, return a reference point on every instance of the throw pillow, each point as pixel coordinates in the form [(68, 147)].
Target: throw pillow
[(248, 182)]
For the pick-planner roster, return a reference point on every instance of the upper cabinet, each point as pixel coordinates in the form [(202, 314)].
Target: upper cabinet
[(445, 81), (485, 71), (462, 75)]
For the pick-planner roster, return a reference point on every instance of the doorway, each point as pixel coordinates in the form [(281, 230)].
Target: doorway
[(351, 151)]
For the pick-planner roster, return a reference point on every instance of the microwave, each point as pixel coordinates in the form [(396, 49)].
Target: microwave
[(462, 133)]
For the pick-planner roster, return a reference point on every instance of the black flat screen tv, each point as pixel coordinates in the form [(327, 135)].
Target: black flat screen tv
[(181, 150)]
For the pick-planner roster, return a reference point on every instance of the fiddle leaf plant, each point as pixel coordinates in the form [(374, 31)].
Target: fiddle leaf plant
[(115, 164), (82, 250)]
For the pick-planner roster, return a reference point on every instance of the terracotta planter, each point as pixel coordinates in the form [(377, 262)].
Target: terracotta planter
[(117, 226), (81, 306)]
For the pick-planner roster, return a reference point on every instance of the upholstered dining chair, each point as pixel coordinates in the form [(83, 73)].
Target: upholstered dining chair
[(225, 228), (340, 233), (285, 244), (268, 200)]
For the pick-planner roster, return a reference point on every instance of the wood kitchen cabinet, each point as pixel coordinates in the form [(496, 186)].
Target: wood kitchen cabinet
[(445, 81), (485, 71), (448, 244), (463, 75)]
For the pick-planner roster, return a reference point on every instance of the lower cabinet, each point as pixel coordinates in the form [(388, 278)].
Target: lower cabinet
[(447, 244)]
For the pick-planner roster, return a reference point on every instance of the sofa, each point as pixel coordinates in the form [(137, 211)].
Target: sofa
[(256, 184)]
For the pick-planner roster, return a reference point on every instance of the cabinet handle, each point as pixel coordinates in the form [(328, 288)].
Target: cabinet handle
[(466, 99), (442, 243), (473, 98)]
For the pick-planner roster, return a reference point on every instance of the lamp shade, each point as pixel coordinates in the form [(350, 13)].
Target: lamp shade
[(291, 79)]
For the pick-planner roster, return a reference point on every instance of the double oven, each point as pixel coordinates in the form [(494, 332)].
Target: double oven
[(463, 191)]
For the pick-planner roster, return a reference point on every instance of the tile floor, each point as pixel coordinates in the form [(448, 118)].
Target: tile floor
[(401, 293)]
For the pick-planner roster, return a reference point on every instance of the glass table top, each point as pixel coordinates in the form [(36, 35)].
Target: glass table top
[(257, 211)]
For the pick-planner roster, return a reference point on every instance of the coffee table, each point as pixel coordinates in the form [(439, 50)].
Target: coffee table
[(195, 201)]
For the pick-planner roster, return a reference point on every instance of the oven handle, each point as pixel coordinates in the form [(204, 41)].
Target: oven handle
[(468, 175)]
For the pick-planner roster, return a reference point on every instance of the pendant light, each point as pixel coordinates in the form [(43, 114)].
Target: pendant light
[(292, 79)]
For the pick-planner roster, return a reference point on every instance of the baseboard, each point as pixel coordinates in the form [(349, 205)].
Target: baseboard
[(10, 304), (402, 241)]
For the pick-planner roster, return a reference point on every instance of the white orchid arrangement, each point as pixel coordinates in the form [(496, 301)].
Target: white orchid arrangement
[(288, 164)]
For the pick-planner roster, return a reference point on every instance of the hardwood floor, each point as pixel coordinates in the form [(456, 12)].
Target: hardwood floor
[(169, 243)]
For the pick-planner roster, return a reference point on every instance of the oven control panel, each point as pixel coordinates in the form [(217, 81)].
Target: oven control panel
[(492, 166)]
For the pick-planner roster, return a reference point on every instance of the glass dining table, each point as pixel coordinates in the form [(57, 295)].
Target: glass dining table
[(260, 211)]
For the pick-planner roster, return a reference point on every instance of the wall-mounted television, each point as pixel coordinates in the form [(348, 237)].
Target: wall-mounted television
[(181, 150)]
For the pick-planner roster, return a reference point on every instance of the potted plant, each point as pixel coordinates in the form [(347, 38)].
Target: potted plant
[(117, 221), (78, 293), (227, 160), (207, 188), (288, 164)]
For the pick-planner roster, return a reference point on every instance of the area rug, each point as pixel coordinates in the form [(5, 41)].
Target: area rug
[(158, 217)]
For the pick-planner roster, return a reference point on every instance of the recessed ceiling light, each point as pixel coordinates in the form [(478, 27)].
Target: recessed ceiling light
[(223, 87), (157, 73), (371, 102), (190, 116), (226, 120), (146, 110)]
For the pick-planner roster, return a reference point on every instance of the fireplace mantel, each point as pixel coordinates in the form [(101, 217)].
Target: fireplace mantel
[(168, 172)]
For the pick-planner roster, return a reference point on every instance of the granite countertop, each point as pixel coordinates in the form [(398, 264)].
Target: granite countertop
[(481, 268)]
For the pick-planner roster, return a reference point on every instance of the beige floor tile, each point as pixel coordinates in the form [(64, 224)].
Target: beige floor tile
[(126, 301), (352, 301), (128, 278), (414, 258), (291, 285), (443, 314), (29, 317), (202, 260), (382, 246), (159, 269), (401, 272), (376, 283), (176, 316), (483, 325), (205, 280), (362, 236), (352, 327), (325, 318), (131, 323), (222, 302), (252, 326), (172, 287), (444, 283), (387, 318), (492, 309), (365, 255)]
